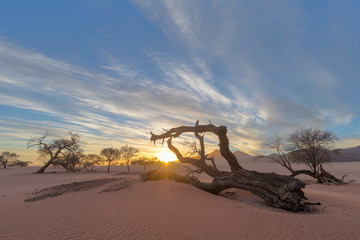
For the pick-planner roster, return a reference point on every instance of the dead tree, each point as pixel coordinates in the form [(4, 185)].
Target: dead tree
[(278, 191), (8, 158), (309, 146), (56, 149), (312, 146)]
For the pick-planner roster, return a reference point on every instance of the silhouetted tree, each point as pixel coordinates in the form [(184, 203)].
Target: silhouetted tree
[(110, 155), (69, 161), (310, 146), (127, 153), (91, 160), (77, 161), (55, 149), (145, 161), (19, 163), (277, 190), (7, 158)]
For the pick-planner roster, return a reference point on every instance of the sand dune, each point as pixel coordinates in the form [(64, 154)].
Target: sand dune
[(166, 209)]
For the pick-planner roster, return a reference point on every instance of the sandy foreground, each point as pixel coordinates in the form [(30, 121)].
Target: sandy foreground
[(113, 205)]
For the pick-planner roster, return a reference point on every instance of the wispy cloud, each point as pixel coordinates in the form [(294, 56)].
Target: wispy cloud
[(195, 77), (179, 22), (121, 109), (274, 80)]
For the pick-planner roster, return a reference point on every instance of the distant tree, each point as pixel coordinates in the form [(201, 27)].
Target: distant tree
[(70, 161), (127, 153), (55, 149), (145, 161), (77, 161), (7, 158), (19, 163), (110, 155), (91, 160), (312, 147)]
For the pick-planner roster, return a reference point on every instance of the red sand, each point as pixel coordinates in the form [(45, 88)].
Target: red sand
[(169, 210)]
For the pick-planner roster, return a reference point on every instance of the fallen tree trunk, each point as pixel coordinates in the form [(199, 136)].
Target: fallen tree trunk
[(278, 191)]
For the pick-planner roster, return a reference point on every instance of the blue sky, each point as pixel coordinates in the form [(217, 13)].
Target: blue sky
[(115, 70)]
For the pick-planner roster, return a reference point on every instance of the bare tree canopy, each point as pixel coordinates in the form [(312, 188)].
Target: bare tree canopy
[(56, 148), (110, 155), (77, 161), (19, 163), (7, 158), (278, 191), (310, 146), (127, 153), (91, 160)]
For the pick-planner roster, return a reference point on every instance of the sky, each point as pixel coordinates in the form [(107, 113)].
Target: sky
[(113, 71)]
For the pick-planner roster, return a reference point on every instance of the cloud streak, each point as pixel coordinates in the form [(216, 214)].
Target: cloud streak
[(98, 105), (266, 58)]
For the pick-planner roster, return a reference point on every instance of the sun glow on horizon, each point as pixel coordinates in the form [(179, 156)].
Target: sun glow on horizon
[(167, 156)]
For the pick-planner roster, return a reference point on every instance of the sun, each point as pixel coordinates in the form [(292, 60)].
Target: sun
[(167, 156)]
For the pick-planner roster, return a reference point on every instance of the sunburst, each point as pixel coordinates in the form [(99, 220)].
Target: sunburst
[(167, 156)]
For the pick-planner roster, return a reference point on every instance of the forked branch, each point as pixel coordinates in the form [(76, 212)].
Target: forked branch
[(220, 131)]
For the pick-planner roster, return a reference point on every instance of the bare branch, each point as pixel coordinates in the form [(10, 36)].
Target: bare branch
[(220, 131)]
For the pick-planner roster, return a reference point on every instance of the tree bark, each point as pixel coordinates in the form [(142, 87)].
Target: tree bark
[(278, 191), (42, 169)]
